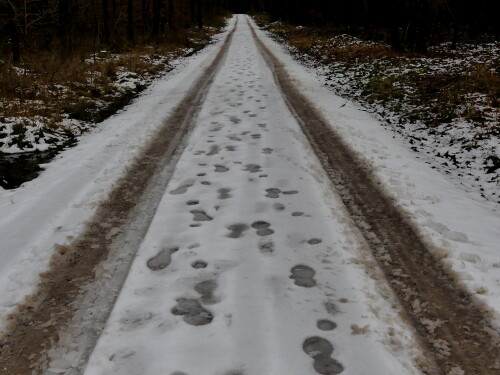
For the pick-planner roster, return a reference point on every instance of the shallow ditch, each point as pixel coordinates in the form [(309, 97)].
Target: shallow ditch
[(16, 169)]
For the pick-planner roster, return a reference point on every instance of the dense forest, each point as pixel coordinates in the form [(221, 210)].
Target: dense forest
[(70, 25), (406, 24), (66, 25)]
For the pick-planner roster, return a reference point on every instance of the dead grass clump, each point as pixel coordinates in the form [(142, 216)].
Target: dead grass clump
[(486, 80), (109, 69)]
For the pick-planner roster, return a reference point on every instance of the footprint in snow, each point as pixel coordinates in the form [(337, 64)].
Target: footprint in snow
[(303, 276), (266, 247), (320, 350), (234, 119), (331, 308), (199, 264), (273, 193), (314, 241), (200, 215), (221, 168), (279, 206), (183, 188), (234, 138), (192, 312), (263, 228), (326, 325), (206, 290), (213, 150), (237, 230), (224, 193), (253, 168), (162, 259)]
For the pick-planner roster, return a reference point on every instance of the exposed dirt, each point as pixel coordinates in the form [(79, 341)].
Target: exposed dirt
[(460, 337), (37, 323)]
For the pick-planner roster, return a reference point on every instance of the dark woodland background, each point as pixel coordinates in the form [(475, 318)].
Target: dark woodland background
[(69, 26)]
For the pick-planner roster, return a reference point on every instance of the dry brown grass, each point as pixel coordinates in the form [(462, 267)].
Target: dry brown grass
[(85, 76)]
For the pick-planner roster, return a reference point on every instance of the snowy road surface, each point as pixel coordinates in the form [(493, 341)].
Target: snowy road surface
[(251, 263), (248, 253)]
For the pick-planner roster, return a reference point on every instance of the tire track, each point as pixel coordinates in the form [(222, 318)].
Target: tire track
[(454, 329), (38, 323)]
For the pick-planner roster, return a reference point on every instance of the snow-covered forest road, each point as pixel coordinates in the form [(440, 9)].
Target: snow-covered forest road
[(239, 219)]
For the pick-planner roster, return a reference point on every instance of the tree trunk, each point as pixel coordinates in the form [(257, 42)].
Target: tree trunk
[(192, 7), (156, 17), (199, 14), (65, 28), (422, 26), (130, 22), (171, 24), (454, 36), (105, 22), (15, 41)]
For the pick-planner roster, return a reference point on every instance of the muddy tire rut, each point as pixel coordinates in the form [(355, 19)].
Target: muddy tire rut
[(37, 324), (455, 331)]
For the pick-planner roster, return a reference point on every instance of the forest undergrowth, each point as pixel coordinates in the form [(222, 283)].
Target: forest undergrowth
[(445, 102), (47, 101)]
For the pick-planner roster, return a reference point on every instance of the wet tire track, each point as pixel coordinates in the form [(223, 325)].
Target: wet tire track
[(37, 324), (455, 330)]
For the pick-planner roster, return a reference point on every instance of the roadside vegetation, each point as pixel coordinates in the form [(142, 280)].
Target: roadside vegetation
[(445, 101), (67, 65), (46, 102)]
